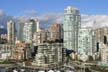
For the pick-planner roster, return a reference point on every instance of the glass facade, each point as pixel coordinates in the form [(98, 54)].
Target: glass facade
[(20, 31), (71, 24)]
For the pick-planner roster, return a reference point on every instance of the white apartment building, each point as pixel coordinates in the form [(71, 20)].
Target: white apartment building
[(85, 41)]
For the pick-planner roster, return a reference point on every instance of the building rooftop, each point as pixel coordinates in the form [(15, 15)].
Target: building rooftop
[(71, 8)]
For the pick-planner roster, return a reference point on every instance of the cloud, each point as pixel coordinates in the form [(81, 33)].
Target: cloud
[(49, 18), (45, 20), (2, 13), (26, 14), (95, 21), (4, 18)]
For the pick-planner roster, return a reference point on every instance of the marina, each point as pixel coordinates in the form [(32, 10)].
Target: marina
[(17, 68)]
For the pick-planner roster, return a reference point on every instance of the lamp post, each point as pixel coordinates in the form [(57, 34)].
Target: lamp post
[(84, 58)]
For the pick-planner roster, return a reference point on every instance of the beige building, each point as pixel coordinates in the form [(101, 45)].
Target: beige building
[(41, 36), (101, 34), (56, 31), (21, 51), (104, 54), (18, 51), (11, 32)]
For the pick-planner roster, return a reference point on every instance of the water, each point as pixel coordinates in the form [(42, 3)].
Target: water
[(2, 70), (28, 70)]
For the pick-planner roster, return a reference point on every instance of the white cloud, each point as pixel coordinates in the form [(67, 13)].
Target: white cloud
[(30, 12), (94, 21), (54, 17), (4, 18), (2, 13), (49, 18)]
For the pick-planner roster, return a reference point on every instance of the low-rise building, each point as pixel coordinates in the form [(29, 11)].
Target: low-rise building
[(21, 51), (48, 54), (5, 51), (18, 51)]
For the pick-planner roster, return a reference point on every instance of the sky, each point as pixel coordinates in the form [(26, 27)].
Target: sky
[(51, 11), (20, 7)]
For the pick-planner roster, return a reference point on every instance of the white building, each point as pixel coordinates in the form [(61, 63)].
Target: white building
[(5, 51), (27, 32), (48, 54), (71, 25), (29, 29), (85, 41), (40, 59)]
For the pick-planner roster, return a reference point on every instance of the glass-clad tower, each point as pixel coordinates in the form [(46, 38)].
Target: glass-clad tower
[(71, 25), (20, 27)]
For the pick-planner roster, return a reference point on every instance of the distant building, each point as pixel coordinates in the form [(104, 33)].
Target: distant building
[(71, 25), (3, 30), (56, 31), (101, 35), (11, 32), (29, 29), (5, 51), (41, 36), (3, 35), (3, 38), (104, 54), (20, 31), (86, 41)]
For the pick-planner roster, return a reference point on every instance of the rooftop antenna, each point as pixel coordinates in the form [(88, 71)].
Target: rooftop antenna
[(94, 24)]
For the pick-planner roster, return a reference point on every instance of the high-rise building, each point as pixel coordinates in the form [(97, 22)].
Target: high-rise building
[(27, 32), (56, 31), (29, 29), (71, 25), (104, 54), (11, 32), (20, 31), (86, 41), (37, 25), (101, 35)]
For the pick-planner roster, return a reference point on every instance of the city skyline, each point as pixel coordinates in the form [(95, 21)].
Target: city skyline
[(78, 43)]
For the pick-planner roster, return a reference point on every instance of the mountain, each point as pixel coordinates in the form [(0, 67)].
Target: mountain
[(3, 31)]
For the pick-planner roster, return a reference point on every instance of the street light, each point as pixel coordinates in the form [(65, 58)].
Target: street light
[(84, 58)]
